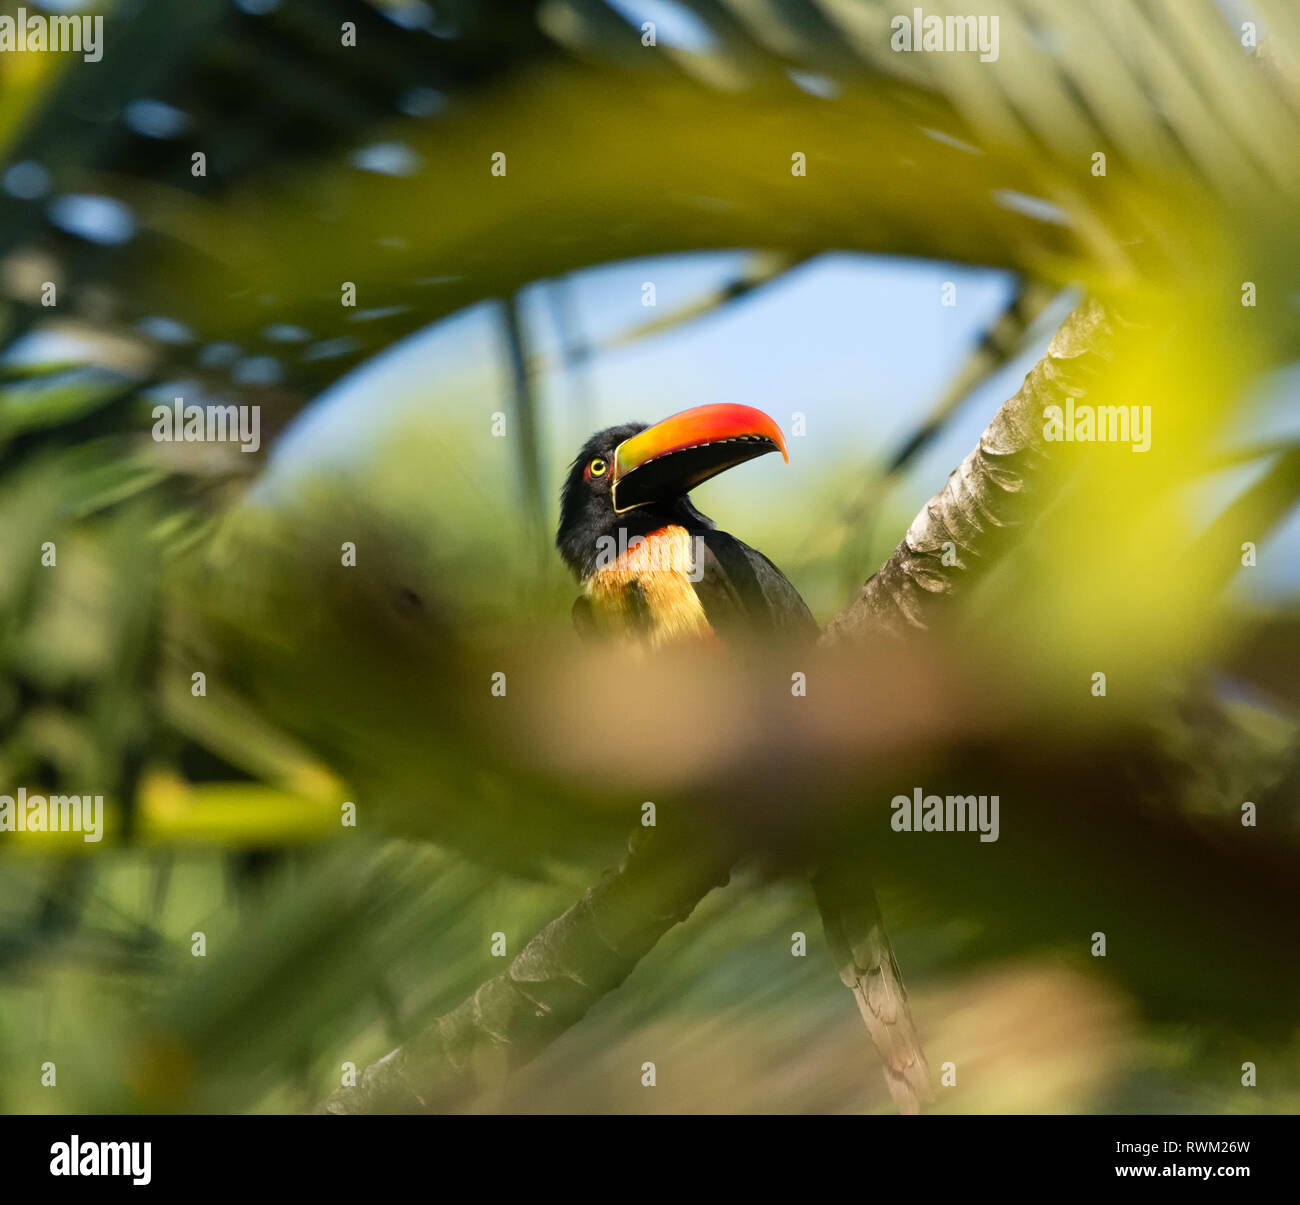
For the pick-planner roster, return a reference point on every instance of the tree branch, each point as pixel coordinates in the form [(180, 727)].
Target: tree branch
[(591, 948), (990, 494), (554, 980)]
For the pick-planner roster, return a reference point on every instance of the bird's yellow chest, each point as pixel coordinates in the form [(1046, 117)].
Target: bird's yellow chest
[(648, 591)]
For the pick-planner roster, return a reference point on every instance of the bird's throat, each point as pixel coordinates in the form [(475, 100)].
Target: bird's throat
[(647, 591)]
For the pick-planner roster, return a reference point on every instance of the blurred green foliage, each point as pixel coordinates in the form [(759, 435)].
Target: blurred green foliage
[(327, 945)]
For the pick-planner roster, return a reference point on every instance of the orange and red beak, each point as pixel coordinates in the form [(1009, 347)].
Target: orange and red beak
[(673, 457)]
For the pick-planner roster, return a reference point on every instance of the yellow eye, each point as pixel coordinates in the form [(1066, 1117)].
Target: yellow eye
[(598, 467)]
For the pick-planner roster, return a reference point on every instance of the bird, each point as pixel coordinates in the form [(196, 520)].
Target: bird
[(654, 570), (653, 566)]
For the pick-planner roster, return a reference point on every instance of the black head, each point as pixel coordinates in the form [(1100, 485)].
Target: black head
[(636, 478), (587, 503)]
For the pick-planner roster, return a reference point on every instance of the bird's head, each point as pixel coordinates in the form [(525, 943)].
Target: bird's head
[(638, 477)]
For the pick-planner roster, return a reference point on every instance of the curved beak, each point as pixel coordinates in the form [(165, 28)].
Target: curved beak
[(671, 458)]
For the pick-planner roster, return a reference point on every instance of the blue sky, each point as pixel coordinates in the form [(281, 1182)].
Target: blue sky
[(861, 345)]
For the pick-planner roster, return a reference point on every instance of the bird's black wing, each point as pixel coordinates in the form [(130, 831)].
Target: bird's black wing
[(744, 594)]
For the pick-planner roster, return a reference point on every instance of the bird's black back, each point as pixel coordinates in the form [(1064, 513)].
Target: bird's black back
[(744, 594)]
